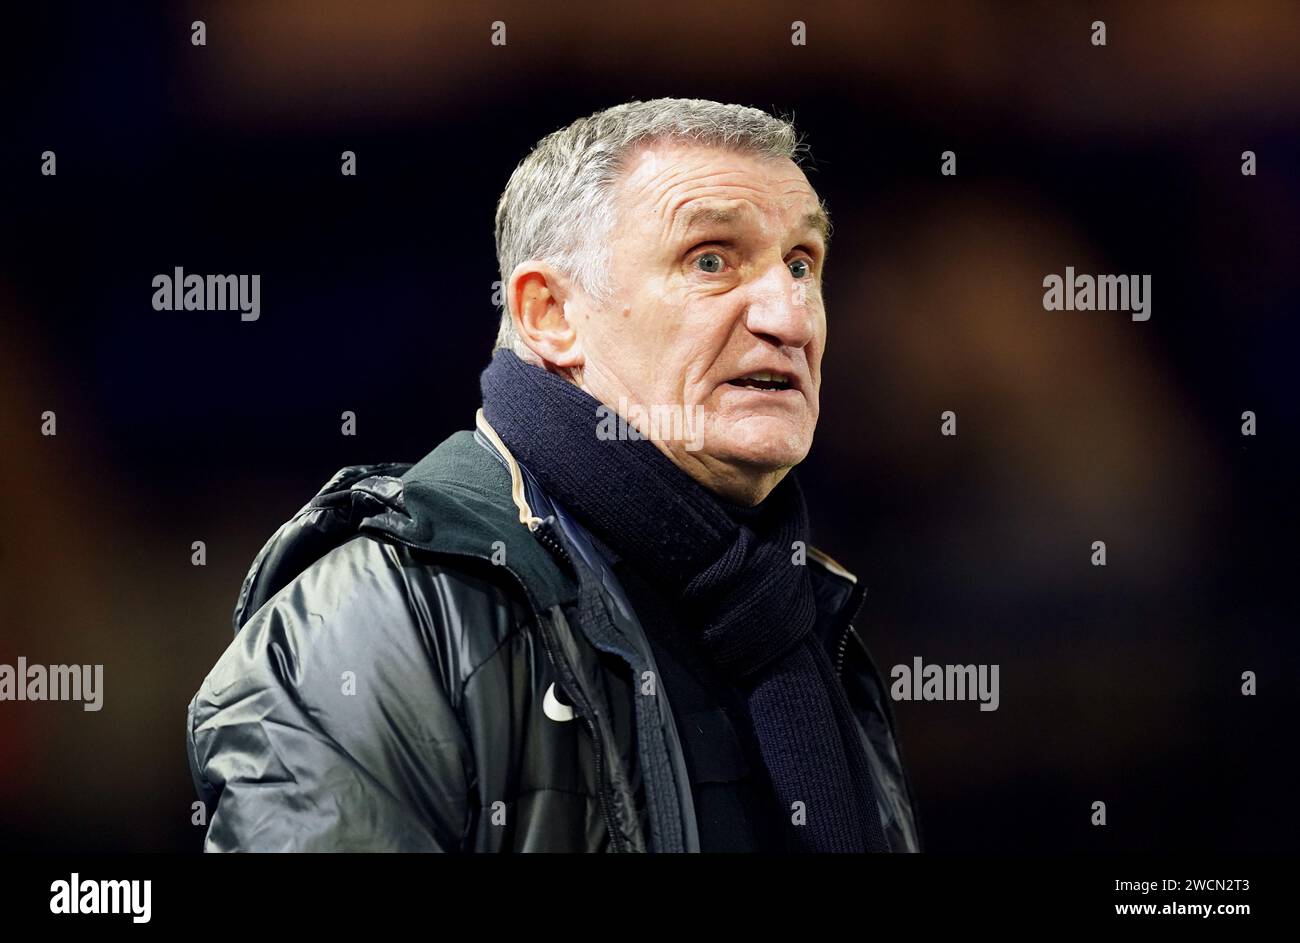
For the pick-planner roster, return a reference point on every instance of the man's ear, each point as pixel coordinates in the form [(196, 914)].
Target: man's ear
[(541, 304)]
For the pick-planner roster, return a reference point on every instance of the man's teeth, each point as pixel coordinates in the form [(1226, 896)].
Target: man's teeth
[(765, 378)]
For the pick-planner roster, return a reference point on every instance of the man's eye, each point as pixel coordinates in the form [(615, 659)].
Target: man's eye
[(709, 262), (799, 268)]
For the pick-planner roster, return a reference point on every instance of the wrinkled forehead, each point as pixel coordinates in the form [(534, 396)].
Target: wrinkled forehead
[(670, 188)]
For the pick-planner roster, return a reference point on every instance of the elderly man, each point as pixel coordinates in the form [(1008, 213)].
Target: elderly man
[(561, 633)]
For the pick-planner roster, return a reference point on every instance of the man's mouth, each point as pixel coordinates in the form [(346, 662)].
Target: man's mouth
[(762, 381)]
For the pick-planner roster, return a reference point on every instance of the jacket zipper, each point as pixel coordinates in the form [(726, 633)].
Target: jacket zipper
[(570, 685), (839, 657), (892, 725), (543, 530), (546, 536), (567, 675)]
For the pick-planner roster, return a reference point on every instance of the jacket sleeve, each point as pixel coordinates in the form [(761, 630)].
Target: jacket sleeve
[(330, 724)]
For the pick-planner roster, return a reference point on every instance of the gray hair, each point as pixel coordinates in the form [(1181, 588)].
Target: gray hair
[(558, 206)]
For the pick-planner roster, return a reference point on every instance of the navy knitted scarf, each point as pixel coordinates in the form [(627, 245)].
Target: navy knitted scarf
[(733, 568)]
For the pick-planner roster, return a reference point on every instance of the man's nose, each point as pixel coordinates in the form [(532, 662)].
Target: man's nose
[(778, 307)]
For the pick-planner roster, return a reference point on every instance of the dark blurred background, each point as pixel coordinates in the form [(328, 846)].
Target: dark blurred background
[(1119, 684)]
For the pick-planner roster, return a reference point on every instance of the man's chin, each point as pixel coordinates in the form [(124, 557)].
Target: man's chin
[(760, 443)]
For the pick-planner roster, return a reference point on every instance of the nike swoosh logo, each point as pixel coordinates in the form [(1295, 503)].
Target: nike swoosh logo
[(553, 709)]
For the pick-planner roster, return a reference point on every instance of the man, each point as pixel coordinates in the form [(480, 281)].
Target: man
[(583, 627)]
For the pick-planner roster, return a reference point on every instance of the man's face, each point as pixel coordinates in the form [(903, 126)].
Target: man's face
[(716, 266)]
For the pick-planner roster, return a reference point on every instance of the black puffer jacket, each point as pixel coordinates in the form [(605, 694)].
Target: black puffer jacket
[(409, 674)]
